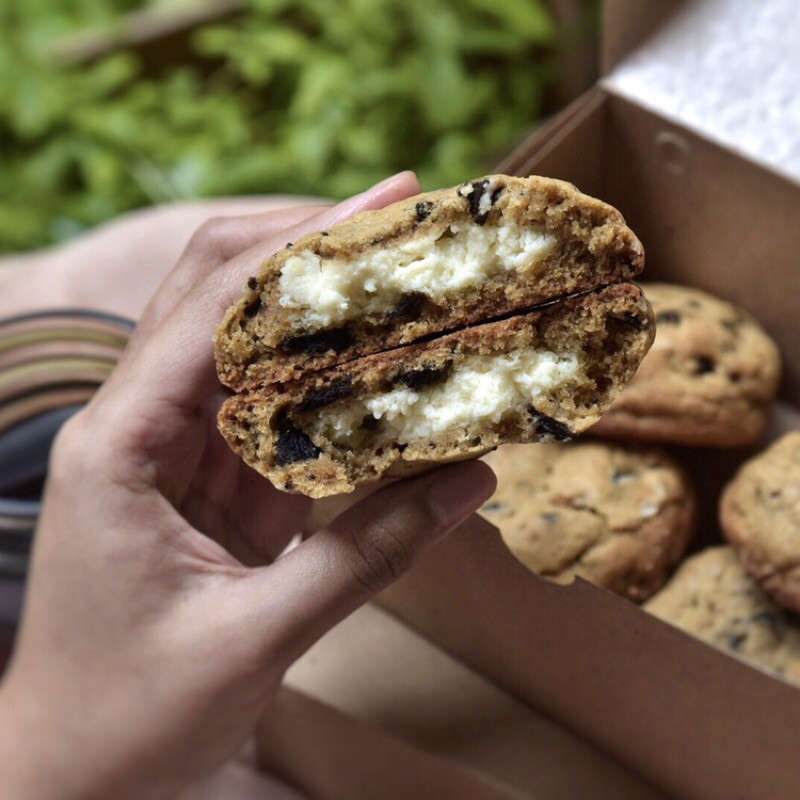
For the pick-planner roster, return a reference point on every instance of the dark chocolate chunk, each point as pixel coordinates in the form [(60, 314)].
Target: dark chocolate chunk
[(289, 485), (288, 245), (293, 445), (409, 306), (734, 640), (423, 209), (336, 339), (602, 383), (480, 188), (494, 506), (252, 283), (317, 398), (547, 426), (734, 324), (474, 201), (670, 317), (417, 379), (703, 365), (370, 423), (253, 309), (631, 320), (772, 621)]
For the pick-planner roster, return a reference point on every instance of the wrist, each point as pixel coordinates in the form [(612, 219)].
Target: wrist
[(24, 760), (40, 758)]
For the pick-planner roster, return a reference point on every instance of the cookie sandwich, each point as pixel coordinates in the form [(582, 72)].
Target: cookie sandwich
[(431, 331)]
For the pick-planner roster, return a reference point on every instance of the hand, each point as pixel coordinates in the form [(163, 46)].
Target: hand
[(158, 621)]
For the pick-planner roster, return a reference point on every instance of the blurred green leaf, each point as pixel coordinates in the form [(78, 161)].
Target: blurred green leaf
[(530, 19), (308, 96)]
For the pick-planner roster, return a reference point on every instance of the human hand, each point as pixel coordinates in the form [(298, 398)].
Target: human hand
[(158, 623)]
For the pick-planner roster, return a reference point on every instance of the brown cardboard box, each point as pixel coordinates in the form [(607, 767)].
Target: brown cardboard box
[(376, 669), (717, 211)]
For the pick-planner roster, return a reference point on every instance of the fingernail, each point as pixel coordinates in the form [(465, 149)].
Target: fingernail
[(346, 207), (460, 489), (389, 181)]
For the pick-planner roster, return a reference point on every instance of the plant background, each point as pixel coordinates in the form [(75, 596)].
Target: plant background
[(317, 97)]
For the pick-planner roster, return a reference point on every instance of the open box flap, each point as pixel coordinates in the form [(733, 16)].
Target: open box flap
[(727, 70)]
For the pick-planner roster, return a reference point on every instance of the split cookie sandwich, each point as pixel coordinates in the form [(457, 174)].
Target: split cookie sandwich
[(433, 331)]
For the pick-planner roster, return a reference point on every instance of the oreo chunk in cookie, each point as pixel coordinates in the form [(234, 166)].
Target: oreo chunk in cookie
[(709, 379), (545, 375), (429, 264)]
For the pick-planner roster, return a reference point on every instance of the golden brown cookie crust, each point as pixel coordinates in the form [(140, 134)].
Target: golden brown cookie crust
[(709, 379), (271, 428), (760, 516), (255, 345), (712, 597), (615, 515)]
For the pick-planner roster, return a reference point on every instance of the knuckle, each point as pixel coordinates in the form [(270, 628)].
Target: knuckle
[(68, 455), (381, 554), (208, 238)]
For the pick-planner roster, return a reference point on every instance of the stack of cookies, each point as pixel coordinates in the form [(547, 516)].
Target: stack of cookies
[(620, 514), (745, 596)]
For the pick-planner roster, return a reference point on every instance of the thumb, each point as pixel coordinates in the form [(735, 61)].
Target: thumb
[(313, 587)]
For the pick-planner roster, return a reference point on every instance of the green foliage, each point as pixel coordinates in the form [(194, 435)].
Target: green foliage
[(301, 96)]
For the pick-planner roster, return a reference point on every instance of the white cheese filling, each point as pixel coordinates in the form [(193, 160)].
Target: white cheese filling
[(329, 291), (480, 389)]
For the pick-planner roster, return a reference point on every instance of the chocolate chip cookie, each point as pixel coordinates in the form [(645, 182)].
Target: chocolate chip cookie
[(760, 517), (542, 376), (616, 515), (433, 263), (712, 597), (709, 379)]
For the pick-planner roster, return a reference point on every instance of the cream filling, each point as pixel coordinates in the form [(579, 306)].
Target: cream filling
[(326, 292), (481, 389)]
